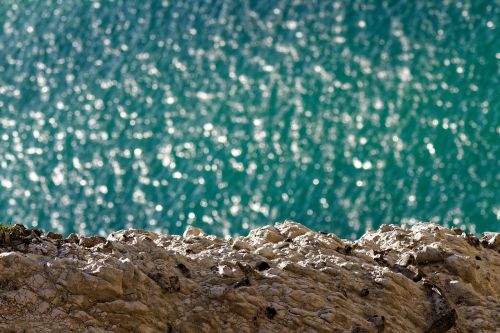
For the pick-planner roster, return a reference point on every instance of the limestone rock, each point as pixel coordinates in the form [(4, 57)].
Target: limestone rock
[(193, 232), (283, 278)]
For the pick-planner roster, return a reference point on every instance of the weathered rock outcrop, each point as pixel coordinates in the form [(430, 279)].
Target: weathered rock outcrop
[(285, 278)]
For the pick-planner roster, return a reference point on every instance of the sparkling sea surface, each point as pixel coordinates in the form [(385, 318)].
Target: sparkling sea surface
[(228, 115)]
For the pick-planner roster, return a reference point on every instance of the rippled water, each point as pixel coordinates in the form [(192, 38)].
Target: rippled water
[(232, 114)]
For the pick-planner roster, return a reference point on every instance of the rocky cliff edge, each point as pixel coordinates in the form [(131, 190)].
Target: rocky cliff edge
[(282, 278)]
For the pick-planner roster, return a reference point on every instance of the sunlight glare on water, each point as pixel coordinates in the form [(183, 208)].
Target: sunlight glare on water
[(233, 114)]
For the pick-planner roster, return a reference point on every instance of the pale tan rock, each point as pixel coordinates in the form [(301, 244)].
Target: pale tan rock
[(283, 278), (193, 232)]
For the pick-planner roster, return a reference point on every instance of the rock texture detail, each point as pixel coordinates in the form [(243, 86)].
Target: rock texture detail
[(283, 278)]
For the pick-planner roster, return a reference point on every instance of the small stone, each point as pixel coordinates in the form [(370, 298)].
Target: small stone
[(244, 282), (167, 283), (267, 252), (429, 254), (417, 277), (406, 260), (491, 240), (216, 292), (89, 242), (19, 230), (225, 271), (378, 322), (244, 267), (241, 245), (386, 228), (471, 239), (73, 238), (106, 247), (347, 249), (267, 233), (193, 232), (290, 229), (53, 235)]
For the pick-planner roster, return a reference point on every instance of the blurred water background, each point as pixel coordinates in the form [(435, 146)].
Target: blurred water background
[(227, 115)]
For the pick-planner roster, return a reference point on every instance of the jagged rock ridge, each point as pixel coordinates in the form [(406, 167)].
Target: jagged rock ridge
[(285, 278)]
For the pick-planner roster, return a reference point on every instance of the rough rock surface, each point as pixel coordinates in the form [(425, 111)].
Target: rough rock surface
[(285, 278)]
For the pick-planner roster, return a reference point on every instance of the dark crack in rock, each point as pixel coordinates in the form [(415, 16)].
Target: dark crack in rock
[(443, 316)]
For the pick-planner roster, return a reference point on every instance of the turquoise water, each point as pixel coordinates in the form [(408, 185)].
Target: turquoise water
[(229, 115)]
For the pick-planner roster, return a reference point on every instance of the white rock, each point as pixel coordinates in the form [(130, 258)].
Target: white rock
[(193, 232)]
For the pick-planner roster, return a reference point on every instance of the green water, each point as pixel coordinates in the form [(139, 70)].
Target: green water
[(233, 114)]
